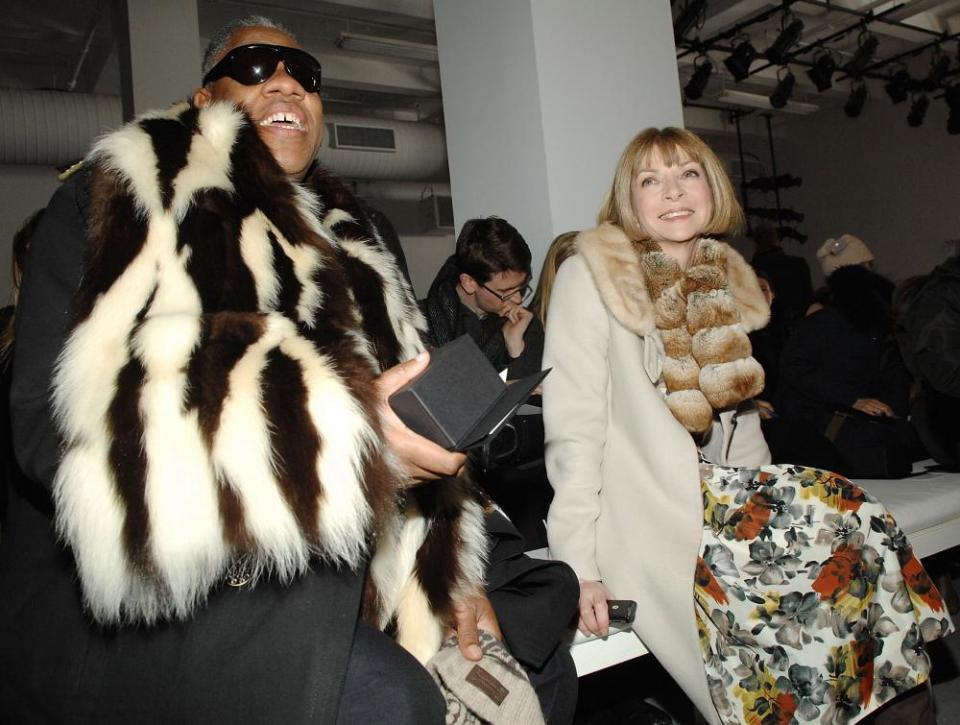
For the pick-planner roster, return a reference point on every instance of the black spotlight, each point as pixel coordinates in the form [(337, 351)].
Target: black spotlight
[(738, 63), (866, 48), (688, 17), (918, 110), (698, 81), (781, 94), (952, 95), (824, 66), (939, 67), (778, 51), (898, 87), (857, 99)]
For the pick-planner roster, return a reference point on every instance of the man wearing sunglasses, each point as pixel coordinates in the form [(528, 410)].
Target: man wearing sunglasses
[(220, 485), (481, 291)]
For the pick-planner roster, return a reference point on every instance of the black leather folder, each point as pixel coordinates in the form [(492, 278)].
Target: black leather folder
[(459, 400)]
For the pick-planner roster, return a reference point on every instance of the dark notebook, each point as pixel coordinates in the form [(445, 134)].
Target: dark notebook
[(459, 400)]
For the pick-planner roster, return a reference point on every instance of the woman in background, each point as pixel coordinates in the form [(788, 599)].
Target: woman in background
[(768, 592)]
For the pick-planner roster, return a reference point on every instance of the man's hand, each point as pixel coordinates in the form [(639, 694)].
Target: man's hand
[(594, 616), (517, 321), (471, 614), (422, 459), (872, 406)]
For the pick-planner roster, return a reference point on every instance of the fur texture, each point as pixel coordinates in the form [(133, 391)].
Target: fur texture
[(703, 315), (216, 391)]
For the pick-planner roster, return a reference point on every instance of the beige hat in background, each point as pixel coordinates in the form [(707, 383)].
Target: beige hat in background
[(841, 252)]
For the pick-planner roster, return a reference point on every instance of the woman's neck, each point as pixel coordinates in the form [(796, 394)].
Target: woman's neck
[(679, 252)]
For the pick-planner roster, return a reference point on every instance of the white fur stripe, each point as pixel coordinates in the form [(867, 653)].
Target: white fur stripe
[(242, 452)]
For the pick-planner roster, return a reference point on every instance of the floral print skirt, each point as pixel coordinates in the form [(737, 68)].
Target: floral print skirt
[(810, 603)]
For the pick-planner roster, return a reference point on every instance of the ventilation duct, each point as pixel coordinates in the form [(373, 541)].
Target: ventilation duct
[(358, 147), (54, 128)]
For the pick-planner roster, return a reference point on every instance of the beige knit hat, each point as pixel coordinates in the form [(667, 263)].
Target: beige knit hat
[(841, 252)]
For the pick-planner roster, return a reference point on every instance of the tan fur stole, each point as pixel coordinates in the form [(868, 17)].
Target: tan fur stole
[(708, 364)]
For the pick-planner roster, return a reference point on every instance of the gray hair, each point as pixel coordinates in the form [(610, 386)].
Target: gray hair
[(220, 39)]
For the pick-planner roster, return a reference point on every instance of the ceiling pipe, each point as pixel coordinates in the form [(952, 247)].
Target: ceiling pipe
[(57, 128)]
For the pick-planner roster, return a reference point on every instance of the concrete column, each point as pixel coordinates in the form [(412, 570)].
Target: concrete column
[(159, 52), (541, 96)]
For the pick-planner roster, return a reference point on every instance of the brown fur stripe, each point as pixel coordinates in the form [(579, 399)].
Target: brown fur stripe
[(129, 463), (117, 233), (171, 144), (295, 440)]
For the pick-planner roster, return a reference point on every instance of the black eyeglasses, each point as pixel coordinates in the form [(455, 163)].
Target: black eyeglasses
[(254, 64), (524, 292)]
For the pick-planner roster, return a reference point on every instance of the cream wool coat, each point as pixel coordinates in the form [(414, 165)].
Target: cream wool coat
[(627, 508)]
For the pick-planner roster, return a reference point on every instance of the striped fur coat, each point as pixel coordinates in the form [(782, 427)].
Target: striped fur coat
[(216, 391)]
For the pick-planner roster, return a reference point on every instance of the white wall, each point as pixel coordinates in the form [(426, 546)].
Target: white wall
[(893, 186), (541, 96), (24, 189)]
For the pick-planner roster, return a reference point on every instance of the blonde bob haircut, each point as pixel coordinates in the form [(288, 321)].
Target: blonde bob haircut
[(675, 146)]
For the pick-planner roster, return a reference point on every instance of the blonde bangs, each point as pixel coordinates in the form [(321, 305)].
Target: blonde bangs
[(674, 146)]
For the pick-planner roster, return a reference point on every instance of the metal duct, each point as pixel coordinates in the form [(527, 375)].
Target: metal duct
[(401, 190), (416, 151), (54, 128)]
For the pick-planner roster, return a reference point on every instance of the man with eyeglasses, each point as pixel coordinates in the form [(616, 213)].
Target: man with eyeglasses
[(221, 490), (481, 291)]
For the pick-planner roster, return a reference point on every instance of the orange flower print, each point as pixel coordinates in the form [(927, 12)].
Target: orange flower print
[(749, 520), (837, 572), (707, 584), (920, 585)]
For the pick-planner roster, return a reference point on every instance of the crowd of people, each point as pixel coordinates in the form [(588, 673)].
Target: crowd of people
[(216, 514)]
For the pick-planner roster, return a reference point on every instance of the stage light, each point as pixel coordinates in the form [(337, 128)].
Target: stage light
[(939, 67), (738, 63), (898, 87), (952, 95), (780, 49), (918, 110), (698, 81), (781, 94), (824, 66), (688, 17), (857, 99), (866, 48)]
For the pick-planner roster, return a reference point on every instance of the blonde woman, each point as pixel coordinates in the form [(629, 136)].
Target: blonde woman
[(562, 247), (770, 593)]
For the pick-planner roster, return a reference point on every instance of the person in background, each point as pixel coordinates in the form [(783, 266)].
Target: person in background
[(843, 359), (789, 276), (758, 586), (928, 333), (481, 290), (237, 514), (12, 476), (561, 248)]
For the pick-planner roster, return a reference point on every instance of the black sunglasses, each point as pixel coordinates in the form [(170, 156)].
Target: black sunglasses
[(254, 64)]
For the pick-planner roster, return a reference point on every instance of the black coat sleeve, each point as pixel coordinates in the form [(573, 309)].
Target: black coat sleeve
[(802, 363), (531, 358), (51, 277)]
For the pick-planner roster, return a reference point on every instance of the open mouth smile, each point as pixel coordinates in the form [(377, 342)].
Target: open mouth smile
[(284, 119)]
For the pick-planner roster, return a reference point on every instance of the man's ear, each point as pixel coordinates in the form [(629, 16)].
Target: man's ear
[(202, 96), (468, 283)]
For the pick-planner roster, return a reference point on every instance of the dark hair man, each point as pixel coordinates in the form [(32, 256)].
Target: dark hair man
[(221, 327), (480, 291)]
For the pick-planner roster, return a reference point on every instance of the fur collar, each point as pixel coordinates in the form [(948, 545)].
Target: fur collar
[(216, 392), (702, 315)]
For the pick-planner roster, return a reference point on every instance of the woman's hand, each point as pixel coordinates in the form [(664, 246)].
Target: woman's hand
[(765, 409), (872, 406), (422, 459), (471, 614), (594, 617)]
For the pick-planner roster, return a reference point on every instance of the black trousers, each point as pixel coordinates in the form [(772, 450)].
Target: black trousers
[(385, 683)]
